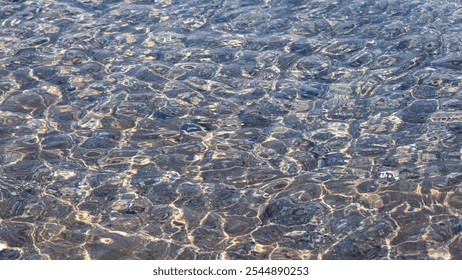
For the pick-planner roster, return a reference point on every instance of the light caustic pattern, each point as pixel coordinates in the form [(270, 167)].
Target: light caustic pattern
[(230, 129)]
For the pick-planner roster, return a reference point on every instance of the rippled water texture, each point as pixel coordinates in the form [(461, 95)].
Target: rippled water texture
[(230, 129)]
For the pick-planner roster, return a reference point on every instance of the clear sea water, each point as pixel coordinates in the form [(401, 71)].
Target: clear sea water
[(230, 129)]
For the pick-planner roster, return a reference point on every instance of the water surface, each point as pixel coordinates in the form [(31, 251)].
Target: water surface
[(230, 129)]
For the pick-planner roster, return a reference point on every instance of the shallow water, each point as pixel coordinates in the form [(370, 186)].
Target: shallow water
[(230, 129)]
